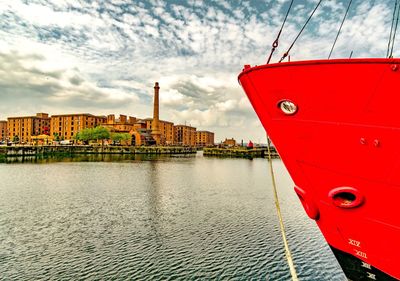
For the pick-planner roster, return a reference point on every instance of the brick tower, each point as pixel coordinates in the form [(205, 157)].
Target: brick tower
[(155, 132)]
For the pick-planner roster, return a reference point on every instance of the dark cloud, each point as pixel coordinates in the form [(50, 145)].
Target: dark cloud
[(189, 89), (18, 82), (201, 97), (76, 80)]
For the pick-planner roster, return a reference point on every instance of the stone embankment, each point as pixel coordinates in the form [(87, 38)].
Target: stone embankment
[(10, 151), (240, 152)]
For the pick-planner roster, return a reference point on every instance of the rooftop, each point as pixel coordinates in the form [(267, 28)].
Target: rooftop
[(151, 119), (78, 114)]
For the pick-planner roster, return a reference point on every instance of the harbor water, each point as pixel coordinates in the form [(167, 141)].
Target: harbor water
[(153, 218)]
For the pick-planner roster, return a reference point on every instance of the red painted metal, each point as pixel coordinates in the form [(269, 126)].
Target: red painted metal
[(346, 197), (308, 204), (345, 133)]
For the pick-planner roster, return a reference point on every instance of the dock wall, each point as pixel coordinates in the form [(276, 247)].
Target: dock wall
[(11, 151), (240, 152)]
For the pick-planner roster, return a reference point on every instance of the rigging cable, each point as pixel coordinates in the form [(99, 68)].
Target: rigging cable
[(276, 42), (351, 44), (298, 35), (391, 28), (278, 210), (394, 31), (340, 28)]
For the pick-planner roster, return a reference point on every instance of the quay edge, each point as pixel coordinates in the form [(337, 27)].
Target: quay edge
[(12, 151), (240, 152)]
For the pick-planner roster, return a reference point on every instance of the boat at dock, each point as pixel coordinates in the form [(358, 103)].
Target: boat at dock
[(336, 128), (335, 125)]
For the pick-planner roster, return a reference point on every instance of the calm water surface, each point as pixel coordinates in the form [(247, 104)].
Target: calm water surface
[(158, 218)]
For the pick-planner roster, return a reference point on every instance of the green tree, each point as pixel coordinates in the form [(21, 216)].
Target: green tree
[(126, 137), (56, 136), (120, 137), (98, 133), (101, 133), (85, 135), (16, 139)]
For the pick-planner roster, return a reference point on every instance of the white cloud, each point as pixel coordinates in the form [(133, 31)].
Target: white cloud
[(45, 16), (113, 53)]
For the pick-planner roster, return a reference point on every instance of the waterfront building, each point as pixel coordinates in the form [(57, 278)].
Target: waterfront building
[(123, 124), (166, 129), (184, 135), (141, 135), (66, 126), (3, 130), (155, 131), (229, 142), (21, 129), (204, 138)]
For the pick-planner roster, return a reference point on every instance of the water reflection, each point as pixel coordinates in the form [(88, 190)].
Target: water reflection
[(153, 218), (154, 197), (42, 159)]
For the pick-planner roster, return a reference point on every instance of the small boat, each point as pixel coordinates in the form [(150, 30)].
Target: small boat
[(336, 126)]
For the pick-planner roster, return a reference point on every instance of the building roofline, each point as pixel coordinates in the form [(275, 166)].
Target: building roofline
[(151, 119), (32, 116), (78, 114), (119, 115), (185, 126)]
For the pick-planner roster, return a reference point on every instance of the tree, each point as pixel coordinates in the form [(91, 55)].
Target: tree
[(101, 133), (120, 137), (126, 137), (98, 133), (85, 135), (16, 139), (56, 136)]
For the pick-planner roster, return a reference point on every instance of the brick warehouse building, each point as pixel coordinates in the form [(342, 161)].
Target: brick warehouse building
[(166, 128), (204, 138), (3, 130), (184, 135), (66, 126), (23, 128)]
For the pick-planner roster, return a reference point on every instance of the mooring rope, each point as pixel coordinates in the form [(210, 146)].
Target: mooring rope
[(278, 210)]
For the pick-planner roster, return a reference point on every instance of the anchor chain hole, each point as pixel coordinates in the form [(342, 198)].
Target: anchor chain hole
[(344, 198)]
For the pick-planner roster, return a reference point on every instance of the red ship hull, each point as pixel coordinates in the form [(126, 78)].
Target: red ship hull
[(340, 143)]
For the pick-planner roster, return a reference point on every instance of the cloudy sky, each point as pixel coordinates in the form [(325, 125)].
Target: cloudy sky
[(103, 57)]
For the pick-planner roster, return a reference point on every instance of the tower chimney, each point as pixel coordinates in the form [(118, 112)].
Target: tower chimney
[(155, 132)]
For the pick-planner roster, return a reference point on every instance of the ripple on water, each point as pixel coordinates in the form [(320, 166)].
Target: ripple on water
[(176, 219)]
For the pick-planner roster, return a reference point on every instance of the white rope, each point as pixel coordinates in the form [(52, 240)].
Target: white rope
[(278, 210)]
